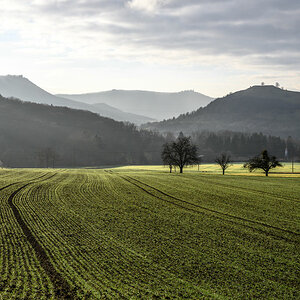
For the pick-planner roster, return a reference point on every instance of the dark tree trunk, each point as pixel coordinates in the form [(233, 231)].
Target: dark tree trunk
[(170, 169), (223, 171), (267, 173), (181, 169)]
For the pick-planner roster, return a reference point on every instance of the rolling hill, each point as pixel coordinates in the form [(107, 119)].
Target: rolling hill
[(22, 88), (36, 135), (155, 105), (265, 109)]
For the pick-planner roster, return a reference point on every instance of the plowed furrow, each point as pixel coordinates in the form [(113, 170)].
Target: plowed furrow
[(247, 190), (138, 183), (62, 288)]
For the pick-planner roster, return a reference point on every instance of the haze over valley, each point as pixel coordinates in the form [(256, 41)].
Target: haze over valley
[(23, 89), (156, 105), (132, 106), (239, 122)]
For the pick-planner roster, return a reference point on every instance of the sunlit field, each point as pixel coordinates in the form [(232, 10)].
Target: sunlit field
[(140, 232), (234, 169)]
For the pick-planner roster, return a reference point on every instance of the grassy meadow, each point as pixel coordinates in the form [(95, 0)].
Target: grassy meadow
[(142, 233)]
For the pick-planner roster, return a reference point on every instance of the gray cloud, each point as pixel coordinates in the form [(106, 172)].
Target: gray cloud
[(238, 28)]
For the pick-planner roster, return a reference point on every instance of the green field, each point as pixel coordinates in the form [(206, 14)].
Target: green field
[(140, 232), (234, 169)]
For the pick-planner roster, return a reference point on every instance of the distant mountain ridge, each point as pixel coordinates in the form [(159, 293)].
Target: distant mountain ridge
[(265, 109), (22, 88), (156, 105)]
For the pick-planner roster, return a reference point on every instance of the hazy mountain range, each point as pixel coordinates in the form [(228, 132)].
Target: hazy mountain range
[(78, 137), (23, 89), (132, 106), (265, 109), (155, 105)]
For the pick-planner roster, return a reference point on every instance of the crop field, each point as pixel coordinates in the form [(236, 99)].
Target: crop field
[(140, 232), (234, 169)]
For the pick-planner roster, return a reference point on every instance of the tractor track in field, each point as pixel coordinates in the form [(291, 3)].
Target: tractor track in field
[(249, 190), (61, 287), (85, 267), (138, 183), (22, 181)]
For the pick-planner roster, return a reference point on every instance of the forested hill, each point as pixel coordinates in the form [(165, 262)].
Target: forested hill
[(33, 135), (265, 109)]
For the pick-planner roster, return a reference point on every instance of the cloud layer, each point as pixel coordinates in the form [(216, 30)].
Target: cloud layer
[(238, 34)]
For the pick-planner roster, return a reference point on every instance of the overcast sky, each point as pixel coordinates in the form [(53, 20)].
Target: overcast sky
[(211, 46)]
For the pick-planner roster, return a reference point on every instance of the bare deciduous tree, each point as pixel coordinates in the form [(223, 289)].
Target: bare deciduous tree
[(224, 161), (180, 153)]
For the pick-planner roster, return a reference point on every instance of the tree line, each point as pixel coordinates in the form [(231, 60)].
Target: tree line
[(183, 152), (242, 145)]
